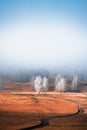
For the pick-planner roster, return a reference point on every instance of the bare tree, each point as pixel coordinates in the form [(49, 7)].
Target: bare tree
[(45, 85), (60, 83), (32, 82), (74, 83), (41, 85)]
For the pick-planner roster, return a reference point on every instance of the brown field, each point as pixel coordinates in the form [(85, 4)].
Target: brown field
[(51, 111), (22, 108)]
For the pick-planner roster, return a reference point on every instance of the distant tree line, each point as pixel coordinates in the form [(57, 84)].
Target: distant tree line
[(60, 83)]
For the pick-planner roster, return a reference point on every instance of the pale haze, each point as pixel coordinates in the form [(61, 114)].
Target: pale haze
[(43, 40)]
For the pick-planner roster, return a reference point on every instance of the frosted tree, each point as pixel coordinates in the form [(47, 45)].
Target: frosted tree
[(57, 80), (32, 82), (63, 84), (38, 84), (74, 83), (60, 83), (45, 85), (41, 85)]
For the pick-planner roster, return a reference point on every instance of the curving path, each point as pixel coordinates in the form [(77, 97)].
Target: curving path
[(45, 121)]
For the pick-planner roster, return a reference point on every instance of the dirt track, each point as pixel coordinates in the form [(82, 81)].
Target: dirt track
[(45, 121), (44, 112)]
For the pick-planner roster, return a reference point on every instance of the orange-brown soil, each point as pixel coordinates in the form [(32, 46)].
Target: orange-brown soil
[(61, 111), (11, 85)]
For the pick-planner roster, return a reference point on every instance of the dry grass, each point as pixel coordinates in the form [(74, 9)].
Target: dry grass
[(26, 110)]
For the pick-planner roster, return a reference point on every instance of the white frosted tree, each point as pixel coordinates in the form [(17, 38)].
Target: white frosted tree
[(41, 85), (38, 84), (74, 83), (32, 82), (45, 85), (57, 80), (60, 83)]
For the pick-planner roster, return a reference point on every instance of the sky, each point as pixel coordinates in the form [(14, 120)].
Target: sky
[(43, 34)]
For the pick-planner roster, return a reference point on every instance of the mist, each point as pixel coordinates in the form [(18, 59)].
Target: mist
[(42, 45), (47, 35)]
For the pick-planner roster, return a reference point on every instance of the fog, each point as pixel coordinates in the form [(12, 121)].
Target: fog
[(43, 35), (43, 45)]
